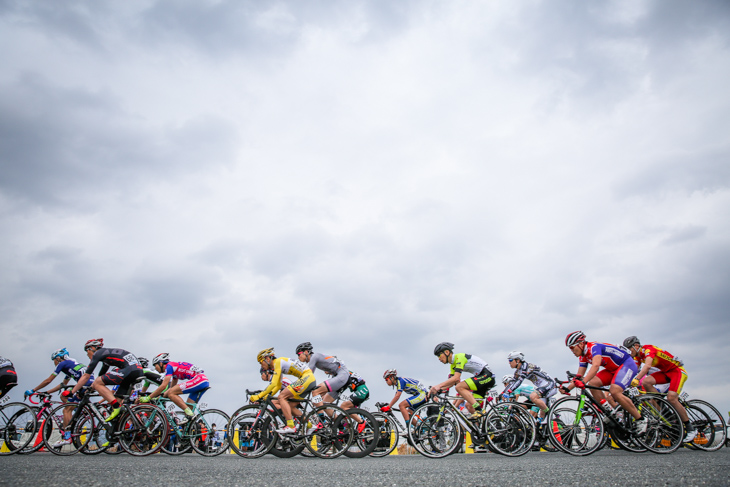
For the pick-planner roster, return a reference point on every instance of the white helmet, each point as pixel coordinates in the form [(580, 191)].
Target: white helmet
[(162, 358), (507, 378), (516, 356)]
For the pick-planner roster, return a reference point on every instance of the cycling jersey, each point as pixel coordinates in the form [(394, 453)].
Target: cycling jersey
[(151, 377), (182, 370), (532, 373), (72, 370), (464, 362), (612, 357), (661, 359), (409, 386), (112, 357), (328, 364), (288, 366)]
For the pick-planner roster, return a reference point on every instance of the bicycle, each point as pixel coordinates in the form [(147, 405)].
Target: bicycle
[(200, 433), (506, 428), (139, 429), (18, 424), (325, 431), (364, 442), (579, 423), (390, 431)]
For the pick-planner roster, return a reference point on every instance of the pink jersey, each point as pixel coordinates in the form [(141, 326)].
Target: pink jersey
[(182, 370)]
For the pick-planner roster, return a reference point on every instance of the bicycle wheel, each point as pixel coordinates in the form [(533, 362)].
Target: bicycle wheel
[(718, 425), (17, 427), (142, 430), (574, 429), (619, 427), (62, 440), (664, 432), (285, 446), (330, 436), (510, 429), (434, 436), (37, 442), (250, 434), (387, 435), (702, 422), (208, 432), (366, 440)]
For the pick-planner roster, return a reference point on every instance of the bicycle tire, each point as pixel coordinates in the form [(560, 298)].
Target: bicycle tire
[(249, 435), (434, 436), (52, 435), (199, 431), (510, 429), (365, 442), (702, 422), (388, 432), (142, 430), (720, 426), (37, 442), (285, 446), (570, 434), (333, 434), (18, 426), (665, 432)]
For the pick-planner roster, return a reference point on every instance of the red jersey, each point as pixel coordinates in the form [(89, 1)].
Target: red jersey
[(661, 359)]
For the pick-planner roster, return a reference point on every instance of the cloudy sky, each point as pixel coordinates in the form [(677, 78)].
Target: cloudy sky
[(209, 178)]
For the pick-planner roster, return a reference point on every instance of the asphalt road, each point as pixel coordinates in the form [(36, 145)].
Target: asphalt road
[(683, 467)]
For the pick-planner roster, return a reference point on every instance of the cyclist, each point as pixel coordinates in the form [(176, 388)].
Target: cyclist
[(298, 390), (670, 371), (127, 371), (412, 387), (524, 390), (182, 378), (266, 376), (72, 369), (545, 386), (618, 371), (8, 376), (330, 365), (359, 393), (480, 383)]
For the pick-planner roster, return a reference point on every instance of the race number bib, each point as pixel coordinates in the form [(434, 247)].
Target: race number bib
[(5, 399), (171, 407), (316, 399), (131, 359), (203, 405)]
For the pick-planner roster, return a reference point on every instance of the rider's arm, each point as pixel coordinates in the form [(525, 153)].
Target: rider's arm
[(82, 380), (595, 367), (63, 383), (45, 382), (395, 399), (581, 371), (645, 367), (275, 383), (453, 380), (161, 387)]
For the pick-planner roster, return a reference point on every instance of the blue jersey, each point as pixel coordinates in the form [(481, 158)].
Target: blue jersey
[(612, 357), (73, 370), (409, 386)]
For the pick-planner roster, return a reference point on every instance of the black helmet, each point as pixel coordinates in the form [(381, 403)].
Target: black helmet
[(631, 341), (443, 346), (143, 362), (304, 347)]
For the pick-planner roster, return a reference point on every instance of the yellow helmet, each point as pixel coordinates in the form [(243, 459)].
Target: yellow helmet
[(267, 352)]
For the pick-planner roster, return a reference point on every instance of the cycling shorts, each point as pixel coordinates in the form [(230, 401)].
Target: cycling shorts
[(675, 377), (481, 383), (360, 395), (339, 381), (622, 377), (8, 380), (196, 387), (303, 386), (124, 378), (546, 391), (417, 400)]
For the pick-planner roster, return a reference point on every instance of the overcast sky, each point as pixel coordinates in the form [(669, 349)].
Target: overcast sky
[(210, 178)]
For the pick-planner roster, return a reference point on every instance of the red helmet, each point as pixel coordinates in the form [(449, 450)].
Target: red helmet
[(94, 342), (573, 338)]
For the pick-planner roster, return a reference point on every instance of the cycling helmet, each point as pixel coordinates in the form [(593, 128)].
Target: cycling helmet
[(631, 341), (507, 378), (161, 358), (267, 352), (390, 373), (60, 353), (143, 362), (573, 338), (442, 347), (516, 356), (94, 342), (304, 347)]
